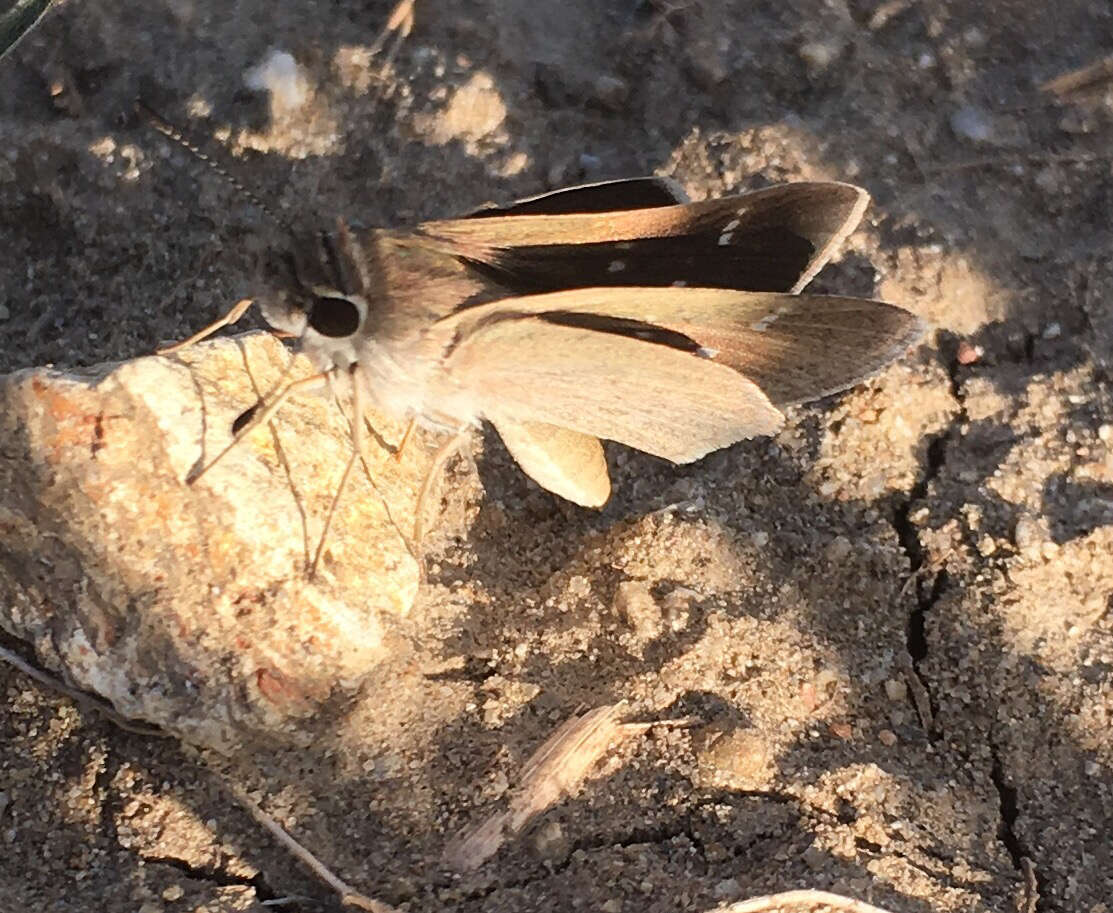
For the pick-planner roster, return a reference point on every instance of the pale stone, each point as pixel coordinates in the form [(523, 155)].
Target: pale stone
[(190, 606)]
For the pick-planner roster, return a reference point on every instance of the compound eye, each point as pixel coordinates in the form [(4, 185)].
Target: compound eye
[(334, 317)]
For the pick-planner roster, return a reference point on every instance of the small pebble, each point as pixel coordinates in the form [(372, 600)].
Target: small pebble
[(972, 124), (635, 605), (887, 737), (819, 55), (173, 892), (838, 550), (815, 858), (968, 354), (1027, 533), (279, 74), (611, 92), (727, 889), (550, 842), (896, 690), (590, 163)]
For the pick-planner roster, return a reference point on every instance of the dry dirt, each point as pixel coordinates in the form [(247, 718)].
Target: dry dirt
[(894, 620)]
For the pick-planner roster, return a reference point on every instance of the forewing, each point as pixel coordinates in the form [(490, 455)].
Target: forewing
[(604, 196), (655, 398), (564, 462), (774, 239), (796, 348)]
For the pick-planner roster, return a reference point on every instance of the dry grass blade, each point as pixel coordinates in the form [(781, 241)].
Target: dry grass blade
[(1085, 79), (17, 21), (349, 896), (1031, 885), (400, 24), (556, 770), (801, 901)]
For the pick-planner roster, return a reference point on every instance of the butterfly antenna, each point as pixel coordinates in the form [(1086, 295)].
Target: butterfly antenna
[(171, 132)]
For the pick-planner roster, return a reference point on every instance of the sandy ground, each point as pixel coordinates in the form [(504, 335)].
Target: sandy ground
[(894, 620)]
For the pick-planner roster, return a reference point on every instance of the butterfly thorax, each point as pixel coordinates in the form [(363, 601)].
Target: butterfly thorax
[(364, 304)]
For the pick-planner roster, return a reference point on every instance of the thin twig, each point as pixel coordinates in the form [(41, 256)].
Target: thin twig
[(80, 697), (349, 896)]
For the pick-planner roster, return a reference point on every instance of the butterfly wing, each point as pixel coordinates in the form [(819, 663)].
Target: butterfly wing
[(564, 462), (602, 196), (663, 400), (644, 351), (774, 239)]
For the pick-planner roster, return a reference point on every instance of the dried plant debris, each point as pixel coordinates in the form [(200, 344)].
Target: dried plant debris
[(557, 770), (349, 896), (19, 19), (802, 901), (1089, 81)]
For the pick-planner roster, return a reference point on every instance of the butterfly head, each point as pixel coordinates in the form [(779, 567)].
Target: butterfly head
[(315, 293)]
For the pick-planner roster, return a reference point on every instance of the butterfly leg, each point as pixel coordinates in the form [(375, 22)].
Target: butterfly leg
[(447, 450), (332, 508), (237, 311), (405, 440), (262, 416), (357, 427)]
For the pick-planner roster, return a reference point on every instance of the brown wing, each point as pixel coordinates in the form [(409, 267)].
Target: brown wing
[(774, 239), (796, 348), (602, 196)]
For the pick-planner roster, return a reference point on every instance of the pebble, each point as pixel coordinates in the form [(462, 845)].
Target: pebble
[(611, 92), (551, 842), (973, 124), (677, 607), (727, 889), (173, 892), (279, 74), (820, 54), (896, 690), (815, 858), (635, 605), (887, 737), (969, 354), (1027, 533), (838, 550)]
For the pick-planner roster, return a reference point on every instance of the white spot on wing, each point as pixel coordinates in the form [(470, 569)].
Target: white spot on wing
[(724, 238), (732, 224), (760, 326), (705, 352), (680, 283), (616, 266)]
